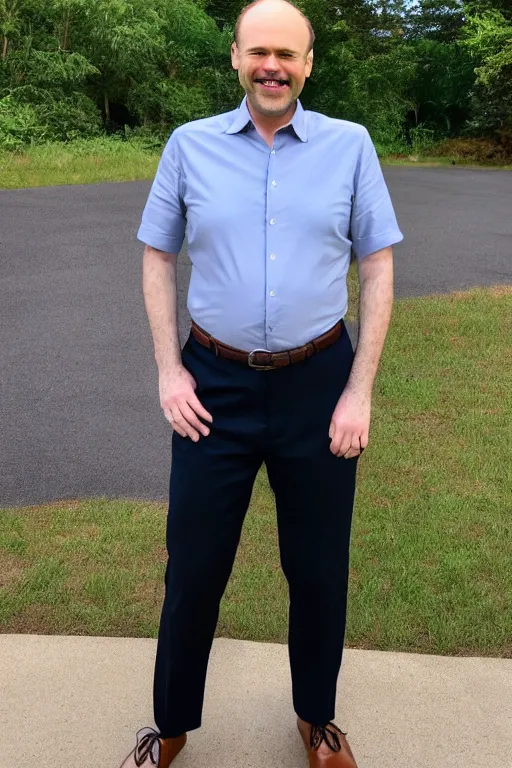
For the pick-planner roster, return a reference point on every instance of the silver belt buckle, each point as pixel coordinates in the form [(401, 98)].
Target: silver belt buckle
[(257, 367)]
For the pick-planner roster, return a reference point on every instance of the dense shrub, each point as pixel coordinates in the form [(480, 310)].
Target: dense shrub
[(489, 151)]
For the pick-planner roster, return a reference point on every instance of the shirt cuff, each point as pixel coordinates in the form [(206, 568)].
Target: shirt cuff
[(367, 245), (159, 240)]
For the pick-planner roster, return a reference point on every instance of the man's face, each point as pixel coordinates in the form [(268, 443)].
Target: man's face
[(272, 57)]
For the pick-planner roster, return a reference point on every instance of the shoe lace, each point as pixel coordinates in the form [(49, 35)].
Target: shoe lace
[(327, 733), (148, 745)]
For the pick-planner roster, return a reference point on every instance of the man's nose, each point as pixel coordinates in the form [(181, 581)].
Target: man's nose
[(271, 63)]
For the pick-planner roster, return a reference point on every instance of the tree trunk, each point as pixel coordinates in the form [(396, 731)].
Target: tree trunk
[(6, 45), (107, 108), (66, 30)]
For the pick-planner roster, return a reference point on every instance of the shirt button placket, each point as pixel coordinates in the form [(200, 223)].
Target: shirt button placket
[(271, 255)]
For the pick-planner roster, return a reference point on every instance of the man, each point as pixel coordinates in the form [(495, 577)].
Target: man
[(274, 198)]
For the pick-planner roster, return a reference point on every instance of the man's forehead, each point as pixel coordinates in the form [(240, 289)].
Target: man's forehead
[(276, 40), (286, 30)]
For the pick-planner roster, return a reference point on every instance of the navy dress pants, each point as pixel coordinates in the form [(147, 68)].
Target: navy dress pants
[(280, 418)]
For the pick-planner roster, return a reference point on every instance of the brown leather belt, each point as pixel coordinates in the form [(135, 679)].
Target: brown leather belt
[(268, 361)]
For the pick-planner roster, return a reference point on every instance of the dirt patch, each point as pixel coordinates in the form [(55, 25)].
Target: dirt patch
[(34, 620), (12, 569), (86, 532), (63, 504), (149, 593), (501, 290), (475, 531), (429, 419), (496, 291)]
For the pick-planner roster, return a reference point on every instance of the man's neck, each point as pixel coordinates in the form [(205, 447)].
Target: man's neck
[(268, 126)]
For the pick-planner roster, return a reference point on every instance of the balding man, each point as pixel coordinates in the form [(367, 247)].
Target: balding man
[(275, 197)]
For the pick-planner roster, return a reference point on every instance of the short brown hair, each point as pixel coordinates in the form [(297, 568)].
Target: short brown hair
[(248, 7)]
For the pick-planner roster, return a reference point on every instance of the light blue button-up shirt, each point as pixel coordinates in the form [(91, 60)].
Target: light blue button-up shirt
[(269, 230)]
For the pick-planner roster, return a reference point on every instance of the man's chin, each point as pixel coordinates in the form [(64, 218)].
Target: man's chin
[(267, 108)]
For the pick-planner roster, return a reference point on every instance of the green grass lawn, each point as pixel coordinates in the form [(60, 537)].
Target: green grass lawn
[(91, 161), (425, 161), (432, 535), (88, 161)]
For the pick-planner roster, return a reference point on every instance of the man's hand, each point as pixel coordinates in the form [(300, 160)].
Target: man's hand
[(350, 424), (181, 405)]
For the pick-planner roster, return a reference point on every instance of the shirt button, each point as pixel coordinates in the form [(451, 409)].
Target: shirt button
[(272, 293), (271, 327), (272, 222), (273, 152), (274, 183), (273, 256)]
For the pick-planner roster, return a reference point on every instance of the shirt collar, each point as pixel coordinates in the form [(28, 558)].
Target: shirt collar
[(243, 117)]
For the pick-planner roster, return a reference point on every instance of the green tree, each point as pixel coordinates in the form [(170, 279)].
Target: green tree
[(9, 23), (488, 38), (441, 87), (440, 20), (75, 67)]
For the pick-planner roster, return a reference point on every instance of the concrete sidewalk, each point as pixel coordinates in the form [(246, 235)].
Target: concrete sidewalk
[(76, 702)]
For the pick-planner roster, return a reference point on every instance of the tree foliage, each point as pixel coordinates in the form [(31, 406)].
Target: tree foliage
[(78, 68), (488, 39)]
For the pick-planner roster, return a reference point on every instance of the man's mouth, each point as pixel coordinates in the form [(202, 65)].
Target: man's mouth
[(273, 85)]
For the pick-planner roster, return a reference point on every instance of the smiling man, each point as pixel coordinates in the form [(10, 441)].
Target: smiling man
[(290, 56), (275, 198)]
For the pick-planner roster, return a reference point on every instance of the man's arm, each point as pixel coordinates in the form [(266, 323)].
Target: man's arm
[(177, 386), (159, 287), (350, 425)]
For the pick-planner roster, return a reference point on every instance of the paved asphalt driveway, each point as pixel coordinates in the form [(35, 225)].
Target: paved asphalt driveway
[(79, 407)]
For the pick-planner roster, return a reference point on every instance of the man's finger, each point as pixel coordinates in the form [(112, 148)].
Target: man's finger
[(182, 426), (170, 418), (345, 443), (335, 439), (354, 448), (191, 418), (350, 455), (195, 404)]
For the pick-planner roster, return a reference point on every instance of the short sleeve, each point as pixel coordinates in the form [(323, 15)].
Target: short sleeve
[(373, 224), (164, 216)]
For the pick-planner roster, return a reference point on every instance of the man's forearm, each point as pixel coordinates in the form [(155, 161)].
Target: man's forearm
[(375, 308), (159, 287)]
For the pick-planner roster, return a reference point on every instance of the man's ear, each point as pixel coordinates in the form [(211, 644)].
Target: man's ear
[(235, 56), (309, 63)]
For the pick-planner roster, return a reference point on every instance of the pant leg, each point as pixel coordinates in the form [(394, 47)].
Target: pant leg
[(315, 497), (210, 489)]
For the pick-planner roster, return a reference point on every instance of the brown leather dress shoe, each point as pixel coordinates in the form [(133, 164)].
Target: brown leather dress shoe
[(152, 750), (327, 746)]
